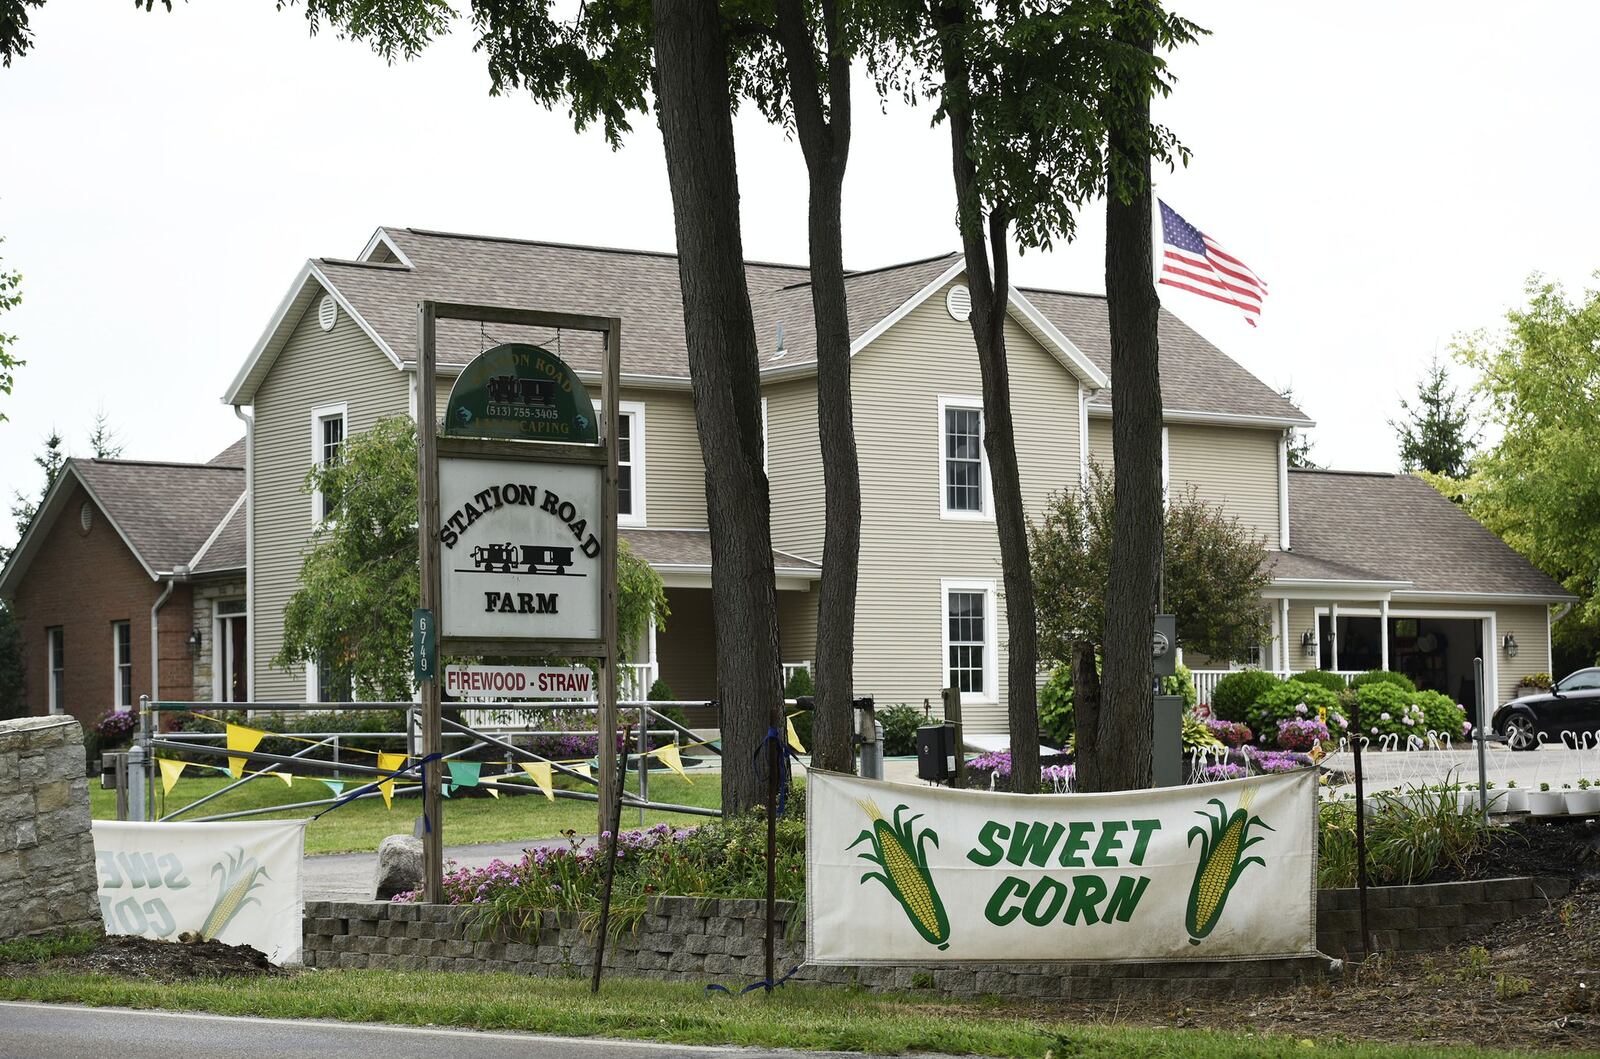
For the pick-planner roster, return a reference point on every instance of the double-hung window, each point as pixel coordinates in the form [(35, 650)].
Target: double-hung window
[(969, 639), (56, 647), (122, 665), (630, 464), (963, 471), (327, 441)]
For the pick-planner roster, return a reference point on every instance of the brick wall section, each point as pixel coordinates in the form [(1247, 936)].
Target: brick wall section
[(47, 872), (1410, 918), (83, 582), (705, 941)]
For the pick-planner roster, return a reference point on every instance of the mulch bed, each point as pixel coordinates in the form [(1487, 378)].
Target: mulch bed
[(1560, 847), (166, 961)]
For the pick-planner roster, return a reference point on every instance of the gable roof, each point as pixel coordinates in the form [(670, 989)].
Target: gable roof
[(1396, 527), (402, 266), (164, 512), (232, 456)]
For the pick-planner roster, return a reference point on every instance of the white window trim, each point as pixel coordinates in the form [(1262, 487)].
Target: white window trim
[(986, 513), (117, 662), (218, 667), (991, 636), (318, 414), (639, 517), (764, 435), (53, 688)]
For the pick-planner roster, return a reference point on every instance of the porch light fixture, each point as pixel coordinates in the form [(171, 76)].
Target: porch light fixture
[(1308, 643), (1509, 643), (194, 643)]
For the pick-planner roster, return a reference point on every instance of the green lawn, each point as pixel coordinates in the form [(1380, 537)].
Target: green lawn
[(362, 824), (793, 1017)]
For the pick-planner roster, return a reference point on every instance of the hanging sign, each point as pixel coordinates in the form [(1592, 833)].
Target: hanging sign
[(520, 547), (916, 874), (518, 682), (424, 645), (520, 391)]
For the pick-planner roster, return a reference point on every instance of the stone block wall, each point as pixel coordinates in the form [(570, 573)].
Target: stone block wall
[(1430, 916), (47, 873), (722, 941)]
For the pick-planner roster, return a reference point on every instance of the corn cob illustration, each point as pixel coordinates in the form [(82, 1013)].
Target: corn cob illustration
[(898, 850), (240, 875), (1222, 861)]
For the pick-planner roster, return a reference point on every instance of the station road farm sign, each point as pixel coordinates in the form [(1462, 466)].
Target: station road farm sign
[(520, 540)]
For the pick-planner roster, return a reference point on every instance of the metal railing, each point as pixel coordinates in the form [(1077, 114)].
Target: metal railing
[(149, 739)]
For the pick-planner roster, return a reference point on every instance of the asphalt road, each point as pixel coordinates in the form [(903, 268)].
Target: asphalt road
[(53, 1031)]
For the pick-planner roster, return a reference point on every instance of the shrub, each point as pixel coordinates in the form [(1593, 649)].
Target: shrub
[(1382, 676), (1538, 681), (1301, 733), (1407, 840), (1322, 678), (661, 691), (1288, 701), (900, 723), (1055, 707), (1181, 683), (1230, 733), (1236, 694), (1388, 709), (799, 684), (1197, 734)]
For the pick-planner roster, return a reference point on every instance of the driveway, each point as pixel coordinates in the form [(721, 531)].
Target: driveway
[(348, 876)]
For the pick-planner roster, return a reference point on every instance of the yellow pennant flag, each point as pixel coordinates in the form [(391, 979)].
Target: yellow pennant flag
[(245, 740), (539, 772), (389, 763), (581, 768), (794, 737), (668, 755), (170, 771), (286, 777)]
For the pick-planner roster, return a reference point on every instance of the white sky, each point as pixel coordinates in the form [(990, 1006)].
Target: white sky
[(1394, 171)]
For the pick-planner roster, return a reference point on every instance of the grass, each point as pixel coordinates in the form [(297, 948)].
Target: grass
[(793, 1017), (362, 824), (35, 950)]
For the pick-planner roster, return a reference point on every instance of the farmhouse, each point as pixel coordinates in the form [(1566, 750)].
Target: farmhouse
[(1368, 569)]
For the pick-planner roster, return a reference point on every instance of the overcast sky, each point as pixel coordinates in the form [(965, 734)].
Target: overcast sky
[(1394, 171)]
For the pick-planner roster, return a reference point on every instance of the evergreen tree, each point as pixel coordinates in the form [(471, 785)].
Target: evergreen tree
[(50, 461), (103, 439), (1436, 432), (1299, 443)]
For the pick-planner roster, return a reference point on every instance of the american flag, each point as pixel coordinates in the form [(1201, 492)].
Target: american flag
[(1193, 261)]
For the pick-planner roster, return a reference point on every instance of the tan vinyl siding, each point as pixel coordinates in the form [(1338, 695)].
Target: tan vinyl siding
[(1529, 624), (797, 627), (1233, 467), (794, 468), (1100, 442), (316, 368), (906, 547)]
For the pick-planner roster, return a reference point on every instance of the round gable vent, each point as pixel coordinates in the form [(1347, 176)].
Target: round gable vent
[(958, 302), (86, 516), (328, 312)]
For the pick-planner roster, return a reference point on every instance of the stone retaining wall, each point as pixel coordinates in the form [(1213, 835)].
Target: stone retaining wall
[(47, 873), (1431, 916), (705, 941)]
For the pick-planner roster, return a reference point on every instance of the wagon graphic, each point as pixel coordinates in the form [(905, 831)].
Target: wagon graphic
[(511, 558)]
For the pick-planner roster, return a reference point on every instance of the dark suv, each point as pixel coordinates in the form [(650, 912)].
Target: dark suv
[(1571, 705)]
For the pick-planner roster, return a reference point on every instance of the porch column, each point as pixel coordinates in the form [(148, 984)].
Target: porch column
[(1333, 635), (1288, 640), (1383, 633)]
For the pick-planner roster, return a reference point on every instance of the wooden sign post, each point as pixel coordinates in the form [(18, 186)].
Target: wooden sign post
[(517, 517)]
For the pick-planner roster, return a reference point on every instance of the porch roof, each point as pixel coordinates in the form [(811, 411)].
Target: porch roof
[(689, 551)]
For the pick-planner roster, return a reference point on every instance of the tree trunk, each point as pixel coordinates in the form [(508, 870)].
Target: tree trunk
[(989, 297), (1085, 705), (1120, 760), (825, 141), (693, 109)]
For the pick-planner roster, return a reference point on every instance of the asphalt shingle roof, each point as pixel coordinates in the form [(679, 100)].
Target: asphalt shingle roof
[(166, 510), (1401, 528), (232, 456), (642, 288), (693, 548), (227, 551)]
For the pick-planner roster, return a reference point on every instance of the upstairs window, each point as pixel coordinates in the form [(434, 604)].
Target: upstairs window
[(630, 463), (122, 665), (56, 647), (964, 477), (327, 441)]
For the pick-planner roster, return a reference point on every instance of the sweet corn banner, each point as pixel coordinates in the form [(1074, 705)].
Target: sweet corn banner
[(237, 882), (899, 873)]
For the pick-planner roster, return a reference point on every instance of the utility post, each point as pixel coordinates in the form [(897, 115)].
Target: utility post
[(428, 570), (952, 717)]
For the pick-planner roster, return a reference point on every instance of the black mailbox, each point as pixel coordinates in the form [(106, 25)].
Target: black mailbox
[(936, 752)]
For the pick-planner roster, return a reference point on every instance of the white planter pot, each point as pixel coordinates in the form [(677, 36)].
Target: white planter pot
[(1500, 802), (1516, 800), (1546, 803), (1581, 803), (1467, 801)]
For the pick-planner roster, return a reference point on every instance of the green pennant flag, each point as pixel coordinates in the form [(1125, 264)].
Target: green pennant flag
[(336, 786), (464, 773)]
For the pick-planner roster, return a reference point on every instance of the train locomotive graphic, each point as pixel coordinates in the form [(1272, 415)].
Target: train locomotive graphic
[(511, 558), (509, 389)]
